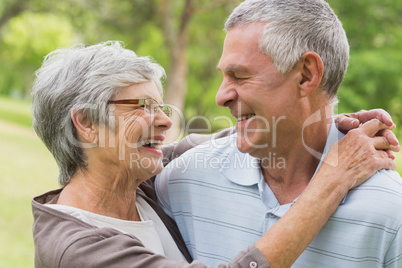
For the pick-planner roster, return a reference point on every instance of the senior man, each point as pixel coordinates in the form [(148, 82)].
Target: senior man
[(282, 63)]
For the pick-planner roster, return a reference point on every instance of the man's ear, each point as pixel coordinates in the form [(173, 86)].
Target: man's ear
[(86, 130), (312, 71)]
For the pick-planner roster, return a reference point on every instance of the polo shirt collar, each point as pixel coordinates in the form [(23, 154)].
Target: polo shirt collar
[(333, 136), (243, 169), (240, 168)]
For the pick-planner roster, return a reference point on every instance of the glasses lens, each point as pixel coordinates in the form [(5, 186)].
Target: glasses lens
[(152, 106), (167, 110)]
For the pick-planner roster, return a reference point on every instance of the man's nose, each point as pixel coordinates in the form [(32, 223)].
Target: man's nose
[(226, 94)]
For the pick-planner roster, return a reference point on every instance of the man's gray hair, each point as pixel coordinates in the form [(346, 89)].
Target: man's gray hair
[(295, 27), (82, 79)]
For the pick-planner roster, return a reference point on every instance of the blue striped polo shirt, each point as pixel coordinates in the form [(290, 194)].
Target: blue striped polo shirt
[(222, 205)]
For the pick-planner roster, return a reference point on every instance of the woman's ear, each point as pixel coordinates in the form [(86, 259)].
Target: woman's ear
[(87, 131), (312, 70)]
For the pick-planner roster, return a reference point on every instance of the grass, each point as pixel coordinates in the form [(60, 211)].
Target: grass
[(26, 170), (15, 111)]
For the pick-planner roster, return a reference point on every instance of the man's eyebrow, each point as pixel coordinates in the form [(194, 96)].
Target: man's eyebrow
[(232, 68)]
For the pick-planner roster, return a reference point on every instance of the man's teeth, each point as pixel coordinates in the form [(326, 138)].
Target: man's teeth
[(150, 143), (245, 117)]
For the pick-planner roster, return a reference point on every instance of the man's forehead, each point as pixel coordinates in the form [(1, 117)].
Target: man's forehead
[(240, 46)]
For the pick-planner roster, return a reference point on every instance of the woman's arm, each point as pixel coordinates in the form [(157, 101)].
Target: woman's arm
[(357, 159), (280, 246)]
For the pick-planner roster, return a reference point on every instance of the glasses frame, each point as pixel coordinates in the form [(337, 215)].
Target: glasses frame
[(166, 109)]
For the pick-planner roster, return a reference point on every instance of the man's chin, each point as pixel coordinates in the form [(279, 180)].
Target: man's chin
[(243, 145), (247, 146)]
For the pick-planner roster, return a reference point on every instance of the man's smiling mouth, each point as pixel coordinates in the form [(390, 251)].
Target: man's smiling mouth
[(244, 117)]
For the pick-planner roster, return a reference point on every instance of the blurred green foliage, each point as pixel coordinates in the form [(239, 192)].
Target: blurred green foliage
[(25, 41), (15, 111), (27, 169), (373, 80), (374, 29)]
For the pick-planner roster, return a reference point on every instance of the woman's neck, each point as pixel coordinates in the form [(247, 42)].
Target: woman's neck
[(101, 193)]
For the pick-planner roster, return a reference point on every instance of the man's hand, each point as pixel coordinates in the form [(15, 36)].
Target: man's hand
[(346, 122)]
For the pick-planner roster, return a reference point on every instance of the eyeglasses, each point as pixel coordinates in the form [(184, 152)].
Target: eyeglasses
[(151, 106)]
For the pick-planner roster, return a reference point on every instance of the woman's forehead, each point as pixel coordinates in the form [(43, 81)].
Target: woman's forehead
[(146, 89)]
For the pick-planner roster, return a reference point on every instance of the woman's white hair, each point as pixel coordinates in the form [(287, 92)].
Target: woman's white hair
[(82, 79), (294, 27)]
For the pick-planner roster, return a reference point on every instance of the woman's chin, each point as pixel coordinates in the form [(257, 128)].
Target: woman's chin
[(155, 151), (158, 170)]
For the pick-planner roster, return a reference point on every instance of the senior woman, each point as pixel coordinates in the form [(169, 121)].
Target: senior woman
[(99, 111)]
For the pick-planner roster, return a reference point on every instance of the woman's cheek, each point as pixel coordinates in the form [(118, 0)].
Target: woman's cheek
[(136, 127)]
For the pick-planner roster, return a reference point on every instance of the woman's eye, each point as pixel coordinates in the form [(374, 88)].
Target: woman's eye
[(146, 108)]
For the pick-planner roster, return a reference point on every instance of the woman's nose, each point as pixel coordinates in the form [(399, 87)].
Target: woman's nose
[(162, 121)]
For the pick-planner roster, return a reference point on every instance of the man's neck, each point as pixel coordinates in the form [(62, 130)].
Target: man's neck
[(295, 165)]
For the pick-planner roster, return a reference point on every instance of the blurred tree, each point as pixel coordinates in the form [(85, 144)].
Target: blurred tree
[(26, 40), (370, 23), (176, 42), (10, 9), (374, 30), (183, 36), (186, 38)]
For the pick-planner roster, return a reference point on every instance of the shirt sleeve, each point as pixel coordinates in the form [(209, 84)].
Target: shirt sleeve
[(393, 257), (171, 153), (162, 190)]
